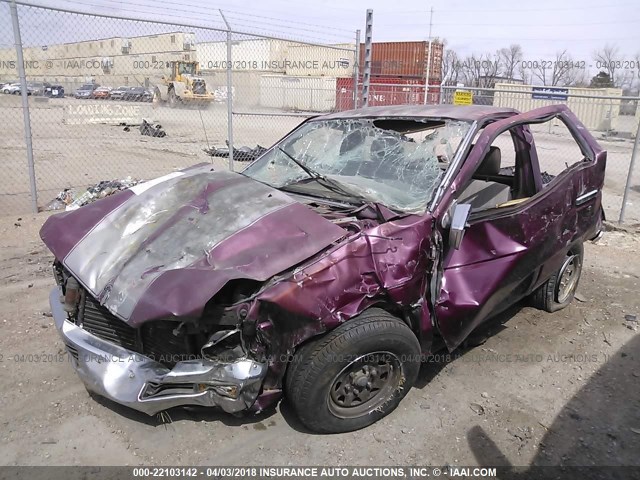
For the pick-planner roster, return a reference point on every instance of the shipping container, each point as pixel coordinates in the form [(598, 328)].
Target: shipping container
[(404, 59), (385, 91), (303, 93), (268, 55)]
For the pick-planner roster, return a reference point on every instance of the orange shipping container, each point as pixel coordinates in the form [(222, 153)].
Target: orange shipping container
[(404, 59)]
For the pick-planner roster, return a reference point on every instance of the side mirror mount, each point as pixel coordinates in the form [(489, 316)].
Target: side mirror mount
[(458, 224)]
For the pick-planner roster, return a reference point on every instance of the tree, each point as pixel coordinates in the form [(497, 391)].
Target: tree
[(560, 71), (525, 73), (606, 59), (481, 70), (451, 67), (601, 80), (511, 58)]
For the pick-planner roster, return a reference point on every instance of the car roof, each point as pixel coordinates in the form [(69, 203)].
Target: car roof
[(455, 112)]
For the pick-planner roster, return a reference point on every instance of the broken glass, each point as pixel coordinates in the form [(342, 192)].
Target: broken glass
[(395, 162)]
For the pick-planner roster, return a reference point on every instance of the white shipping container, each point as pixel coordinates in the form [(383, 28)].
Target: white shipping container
[(595, 113), (298, 93), (317, 60), (254, 55)]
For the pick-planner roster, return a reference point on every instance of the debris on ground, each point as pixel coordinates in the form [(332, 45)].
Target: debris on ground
[(242, 154), (69, 199), (631, 322), (150, 129)]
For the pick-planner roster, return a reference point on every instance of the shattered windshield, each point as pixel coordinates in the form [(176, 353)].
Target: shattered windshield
[(395, 162)]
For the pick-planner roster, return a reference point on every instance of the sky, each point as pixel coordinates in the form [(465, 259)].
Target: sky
[(542, 28)]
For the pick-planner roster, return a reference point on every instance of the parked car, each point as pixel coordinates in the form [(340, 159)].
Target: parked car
[(54, 91), (140, 94), (13, 88), (7, 84), (329, 267), (101, 93), (37, 88), (86, 91), (120, 93)]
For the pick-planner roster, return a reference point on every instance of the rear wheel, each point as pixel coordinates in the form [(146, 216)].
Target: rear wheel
[(354, 375), (557, 292)]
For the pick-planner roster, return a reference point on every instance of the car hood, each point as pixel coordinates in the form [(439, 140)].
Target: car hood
[(165, 247)]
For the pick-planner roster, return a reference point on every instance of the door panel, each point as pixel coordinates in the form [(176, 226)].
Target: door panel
[(506, 252)]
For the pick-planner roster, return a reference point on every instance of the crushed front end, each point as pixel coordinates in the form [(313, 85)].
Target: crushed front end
[(161, 364)]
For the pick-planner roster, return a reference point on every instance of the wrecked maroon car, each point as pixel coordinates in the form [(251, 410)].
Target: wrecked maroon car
[(329, 267)]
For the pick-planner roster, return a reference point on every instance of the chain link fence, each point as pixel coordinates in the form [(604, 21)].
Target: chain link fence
[(612, 118), (91, 80)]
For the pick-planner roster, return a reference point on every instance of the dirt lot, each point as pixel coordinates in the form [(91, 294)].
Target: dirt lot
[(78, 155), (544, 388)]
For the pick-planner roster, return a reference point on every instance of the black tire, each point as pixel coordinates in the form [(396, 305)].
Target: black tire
[(552, 295), (369, 345)]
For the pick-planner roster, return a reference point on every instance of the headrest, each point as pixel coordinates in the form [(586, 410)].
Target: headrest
[(351, 141), (385, 146), (490, 164)]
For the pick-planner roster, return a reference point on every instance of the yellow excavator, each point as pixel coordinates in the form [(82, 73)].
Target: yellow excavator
[(183, 85)]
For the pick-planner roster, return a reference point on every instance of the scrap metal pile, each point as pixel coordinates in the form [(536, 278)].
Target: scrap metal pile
[(69, 199), (242, 154)]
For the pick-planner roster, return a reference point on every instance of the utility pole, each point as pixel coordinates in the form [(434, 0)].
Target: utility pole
[(426, 77)]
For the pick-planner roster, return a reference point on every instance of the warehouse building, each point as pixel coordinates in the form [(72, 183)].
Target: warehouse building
[(135, 61)]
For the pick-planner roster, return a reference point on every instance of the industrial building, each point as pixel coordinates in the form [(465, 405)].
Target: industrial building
[(135, 61), (267, 73)]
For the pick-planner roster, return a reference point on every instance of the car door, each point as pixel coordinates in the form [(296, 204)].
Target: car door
[(508, 251)]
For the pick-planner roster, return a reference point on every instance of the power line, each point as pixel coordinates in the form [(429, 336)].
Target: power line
[(544, 39), (225, 10), (509, 24), (138, 10), (280, 23), (493, 10), (172, 23)]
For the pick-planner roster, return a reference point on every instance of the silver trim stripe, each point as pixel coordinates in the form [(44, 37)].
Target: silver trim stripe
[(585, 197)]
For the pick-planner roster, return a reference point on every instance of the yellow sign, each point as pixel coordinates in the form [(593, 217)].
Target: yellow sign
[(461, 97)]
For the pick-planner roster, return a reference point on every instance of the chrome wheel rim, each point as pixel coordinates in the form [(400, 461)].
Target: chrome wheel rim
[(364, 384), (568, 278)]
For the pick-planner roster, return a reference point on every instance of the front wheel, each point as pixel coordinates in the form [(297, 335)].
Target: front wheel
[(557, 292), (354, 375)]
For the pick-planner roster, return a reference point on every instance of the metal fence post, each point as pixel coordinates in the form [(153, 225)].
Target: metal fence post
[(366, 74), (25, 106), (229, 94), (428, 69), (627, 187), (356, 70)]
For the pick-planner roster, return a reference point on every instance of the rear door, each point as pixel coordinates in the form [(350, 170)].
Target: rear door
[(509, 250)]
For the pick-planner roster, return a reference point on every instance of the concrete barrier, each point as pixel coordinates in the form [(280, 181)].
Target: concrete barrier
[(108, 113)]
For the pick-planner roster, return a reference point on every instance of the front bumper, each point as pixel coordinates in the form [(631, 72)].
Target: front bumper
[(139, 382), (192, 97)]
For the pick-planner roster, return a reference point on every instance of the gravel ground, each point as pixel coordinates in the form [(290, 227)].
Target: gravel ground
[(543, 389)]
